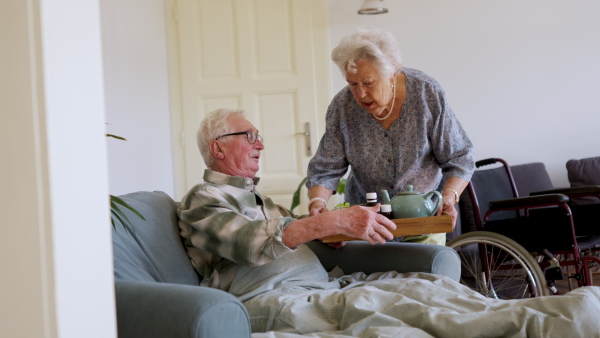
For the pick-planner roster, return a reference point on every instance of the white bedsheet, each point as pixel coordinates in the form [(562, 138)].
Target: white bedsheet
[(419, 305)]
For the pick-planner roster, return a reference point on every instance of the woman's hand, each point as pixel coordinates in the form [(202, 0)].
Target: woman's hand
[(447, 208), (319, 196), (337, 245), (453, 187), (317, 207)]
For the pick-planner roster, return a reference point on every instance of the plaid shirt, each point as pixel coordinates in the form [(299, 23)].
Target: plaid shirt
[(226, 222)]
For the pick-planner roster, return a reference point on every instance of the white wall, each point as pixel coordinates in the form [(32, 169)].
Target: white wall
[(137, 95), (522, 76), (55, 245)]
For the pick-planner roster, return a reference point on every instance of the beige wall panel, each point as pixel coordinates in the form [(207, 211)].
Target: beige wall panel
[(229, 102), (278, 110), (274, 39), (217, 44)]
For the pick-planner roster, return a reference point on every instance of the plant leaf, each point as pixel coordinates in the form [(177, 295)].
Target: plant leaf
[(117, 213), (117, 137), (341, 186), (121, 202), (296, 196)]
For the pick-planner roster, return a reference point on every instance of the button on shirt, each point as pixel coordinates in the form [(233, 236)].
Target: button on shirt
[(425, 146)]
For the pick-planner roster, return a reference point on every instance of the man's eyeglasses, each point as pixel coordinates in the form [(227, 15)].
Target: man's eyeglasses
[(250, 136)]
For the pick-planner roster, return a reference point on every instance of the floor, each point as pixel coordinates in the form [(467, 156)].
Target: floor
[(563, 285)]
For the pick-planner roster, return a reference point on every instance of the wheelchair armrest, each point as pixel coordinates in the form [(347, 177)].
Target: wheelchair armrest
[(588, 190), (528, 202)]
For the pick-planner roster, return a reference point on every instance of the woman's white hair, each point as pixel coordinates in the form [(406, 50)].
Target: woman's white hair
[(212, 126), (368, 43)]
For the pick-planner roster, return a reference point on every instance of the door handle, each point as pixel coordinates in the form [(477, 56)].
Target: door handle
[(306, 133)]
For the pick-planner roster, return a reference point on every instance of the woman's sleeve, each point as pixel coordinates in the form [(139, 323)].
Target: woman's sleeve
[(451, 144), (329, 164), (222, 225)]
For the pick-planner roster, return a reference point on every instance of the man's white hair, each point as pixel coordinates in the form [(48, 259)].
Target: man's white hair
[(215, 124)]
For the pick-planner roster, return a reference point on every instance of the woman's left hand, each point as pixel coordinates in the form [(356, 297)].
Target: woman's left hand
[(450, 194), (447, 208)]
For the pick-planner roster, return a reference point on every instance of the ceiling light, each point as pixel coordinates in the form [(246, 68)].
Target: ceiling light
[(372, 7)]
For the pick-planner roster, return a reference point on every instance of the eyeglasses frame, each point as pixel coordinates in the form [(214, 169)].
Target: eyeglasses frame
[(247, 132)]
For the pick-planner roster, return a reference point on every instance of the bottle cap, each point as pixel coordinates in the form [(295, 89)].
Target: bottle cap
[(371, 196), (386, 208)]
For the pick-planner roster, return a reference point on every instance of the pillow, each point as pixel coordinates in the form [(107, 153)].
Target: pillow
[(584, 172)]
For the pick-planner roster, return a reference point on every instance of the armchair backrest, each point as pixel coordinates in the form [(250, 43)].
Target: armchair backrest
[(154, 252)]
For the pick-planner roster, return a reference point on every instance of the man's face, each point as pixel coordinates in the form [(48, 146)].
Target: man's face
[(240, 157)]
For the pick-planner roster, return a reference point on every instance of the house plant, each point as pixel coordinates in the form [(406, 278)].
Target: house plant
[(116, 213)]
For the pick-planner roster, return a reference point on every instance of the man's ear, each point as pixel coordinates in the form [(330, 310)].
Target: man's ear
[(216, 150)]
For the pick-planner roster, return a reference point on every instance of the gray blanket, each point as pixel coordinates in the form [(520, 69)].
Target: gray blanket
[(418, 305)]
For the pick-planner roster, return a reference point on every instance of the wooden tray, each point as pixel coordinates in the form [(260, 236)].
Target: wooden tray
[(407, 227)]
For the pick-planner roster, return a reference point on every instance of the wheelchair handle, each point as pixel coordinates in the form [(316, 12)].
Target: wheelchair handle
[(493, 160), (487, 161)]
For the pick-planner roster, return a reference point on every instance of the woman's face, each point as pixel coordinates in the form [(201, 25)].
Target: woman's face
[(370, 90)]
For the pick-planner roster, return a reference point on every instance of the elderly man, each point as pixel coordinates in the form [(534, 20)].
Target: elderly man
[(243, 243), (226, 220)]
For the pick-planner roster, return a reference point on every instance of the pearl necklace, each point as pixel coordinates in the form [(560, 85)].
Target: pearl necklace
[(393, 101)]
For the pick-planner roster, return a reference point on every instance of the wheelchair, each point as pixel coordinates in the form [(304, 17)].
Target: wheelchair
[(517, 247)]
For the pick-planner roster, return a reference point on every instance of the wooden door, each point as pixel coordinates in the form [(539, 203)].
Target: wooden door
[(268, 57)]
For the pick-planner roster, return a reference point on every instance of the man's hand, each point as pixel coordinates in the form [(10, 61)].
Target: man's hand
[(364, 222), (357, 221)]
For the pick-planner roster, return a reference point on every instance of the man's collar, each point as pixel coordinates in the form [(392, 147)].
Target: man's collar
[(236, 181)]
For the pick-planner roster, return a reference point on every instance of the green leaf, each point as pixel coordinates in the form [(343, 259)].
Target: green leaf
[(296, 196), (115, 211), (120, 216), (117, 137), (125, 222), (341, 186), (121, 202)]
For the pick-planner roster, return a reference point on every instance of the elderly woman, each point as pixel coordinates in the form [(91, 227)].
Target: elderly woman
[(392, 126)]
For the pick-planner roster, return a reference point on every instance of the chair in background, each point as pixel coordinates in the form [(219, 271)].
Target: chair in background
[(543, 223)]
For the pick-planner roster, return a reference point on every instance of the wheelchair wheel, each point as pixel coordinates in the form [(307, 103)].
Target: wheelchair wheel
[(498, 267)]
